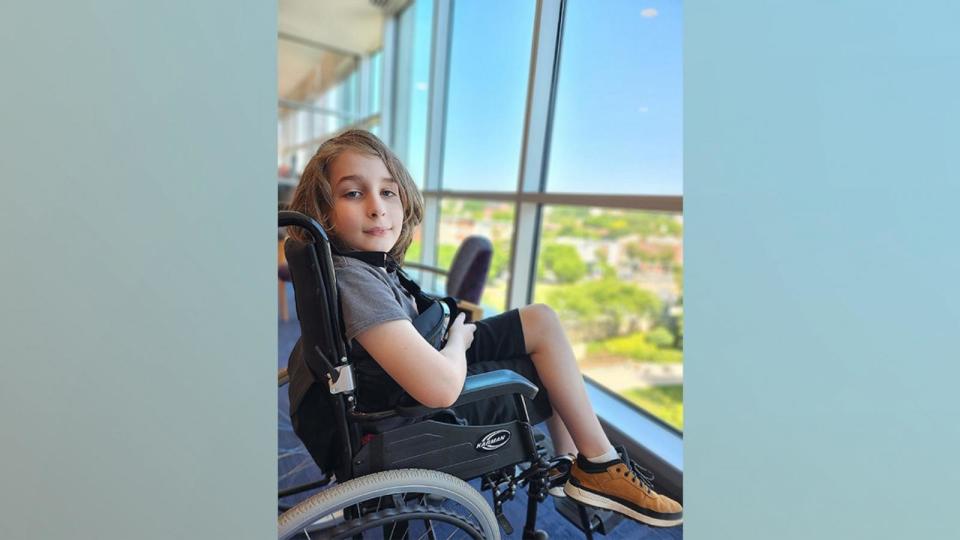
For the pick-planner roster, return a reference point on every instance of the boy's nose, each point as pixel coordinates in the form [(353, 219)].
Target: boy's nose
[(376, 208)]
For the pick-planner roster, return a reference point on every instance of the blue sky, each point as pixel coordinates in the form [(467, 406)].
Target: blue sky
[(618, 117)]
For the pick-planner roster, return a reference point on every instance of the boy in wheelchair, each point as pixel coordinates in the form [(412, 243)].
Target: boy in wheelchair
[(406, 366)]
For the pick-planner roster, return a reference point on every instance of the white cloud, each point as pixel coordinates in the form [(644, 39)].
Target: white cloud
[(421, 86), (649, 12), (643, 109)]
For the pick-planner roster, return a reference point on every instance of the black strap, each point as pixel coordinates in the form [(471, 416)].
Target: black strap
[(373, 258), (423, 300)]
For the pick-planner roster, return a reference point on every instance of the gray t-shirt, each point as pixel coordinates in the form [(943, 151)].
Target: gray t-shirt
[(369, 296)]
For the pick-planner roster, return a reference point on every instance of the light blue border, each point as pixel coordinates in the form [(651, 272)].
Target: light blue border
[(822, 308), (137, 192)]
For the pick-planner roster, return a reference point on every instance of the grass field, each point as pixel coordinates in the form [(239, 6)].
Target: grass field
[(665, 402)]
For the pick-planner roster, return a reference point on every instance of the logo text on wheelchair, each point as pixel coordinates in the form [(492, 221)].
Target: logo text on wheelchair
[(493, 440)]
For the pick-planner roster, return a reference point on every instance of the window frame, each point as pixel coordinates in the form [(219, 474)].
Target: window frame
[(645, 436)]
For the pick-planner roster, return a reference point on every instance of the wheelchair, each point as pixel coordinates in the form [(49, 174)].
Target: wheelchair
[(410, 480)]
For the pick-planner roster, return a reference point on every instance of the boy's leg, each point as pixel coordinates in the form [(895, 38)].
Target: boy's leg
[(557, 367), (509, 341), (531, 342), (562, 442), (614, 483)]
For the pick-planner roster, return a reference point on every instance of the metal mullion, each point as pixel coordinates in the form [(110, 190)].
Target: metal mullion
[(541, 86), (364, 87), (509, 196), (655, 203), (437, 98), (388, 69), (311, 125), (436, 122), (428, 237), (404, 74)]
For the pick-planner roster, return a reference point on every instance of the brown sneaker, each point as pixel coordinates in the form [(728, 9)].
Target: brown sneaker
[(624, 489)]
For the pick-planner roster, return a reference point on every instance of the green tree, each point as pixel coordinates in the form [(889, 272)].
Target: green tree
[(606, 307), (500, 259), (413, 252), (679, 323), (660, 337), (678, 319), (607, 271), (665, 402), (445, 253), (563, 261)]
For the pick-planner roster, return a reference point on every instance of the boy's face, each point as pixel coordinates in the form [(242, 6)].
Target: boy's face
[(367, 212)]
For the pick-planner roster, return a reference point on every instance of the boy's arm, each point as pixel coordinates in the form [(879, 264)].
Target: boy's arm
[(433, 378)]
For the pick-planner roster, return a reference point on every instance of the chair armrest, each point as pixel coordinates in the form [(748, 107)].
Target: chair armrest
[(425, 268), (479, 387), (475, 312)]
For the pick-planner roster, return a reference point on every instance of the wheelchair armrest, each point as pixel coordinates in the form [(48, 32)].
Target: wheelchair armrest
[(481, 386)]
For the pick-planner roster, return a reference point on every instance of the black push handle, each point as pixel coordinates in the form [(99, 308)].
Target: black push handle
[(290, 218)]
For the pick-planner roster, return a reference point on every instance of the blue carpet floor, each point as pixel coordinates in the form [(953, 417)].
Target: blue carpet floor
[(296, 467)]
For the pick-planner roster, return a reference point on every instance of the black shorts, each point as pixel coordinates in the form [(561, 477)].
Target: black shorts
[(498, 343)]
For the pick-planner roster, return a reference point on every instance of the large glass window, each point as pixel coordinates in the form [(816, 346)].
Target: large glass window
[(321, 92), (375, 80), (618, 117), (614, 129), (486, 94), (416, 29), (460, 218), (415, 251), (615, 277)]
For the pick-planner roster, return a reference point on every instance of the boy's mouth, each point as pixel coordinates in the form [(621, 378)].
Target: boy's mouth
[(377, 231)]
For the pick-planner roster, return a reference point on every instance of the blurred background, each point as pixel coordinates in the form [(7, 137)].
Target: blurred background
[(552, 128)]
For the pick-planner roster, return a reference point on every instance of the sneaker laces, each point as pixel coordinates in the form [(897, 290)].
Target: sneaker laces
[(645, 476)]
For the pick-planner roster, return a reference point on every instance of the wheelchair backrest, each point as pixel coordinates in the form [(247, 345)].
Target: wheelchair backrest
[(315, 290)]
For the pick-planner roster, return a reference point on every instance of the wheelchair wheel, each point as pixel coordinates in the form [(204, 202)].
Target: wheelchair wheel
[(403, 503)]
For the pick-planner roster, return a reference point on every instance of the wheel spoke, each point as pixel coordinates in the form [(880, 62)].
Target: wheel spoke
[(427, 531), (424, 512)]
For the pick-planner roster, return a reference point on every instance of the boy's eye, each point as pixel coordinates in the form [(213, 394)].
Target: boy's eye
[(389, 193), (352, 194)]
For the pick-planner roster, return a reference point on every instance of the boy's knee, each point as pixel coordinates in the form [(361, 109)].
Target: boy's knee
[(542, 315)]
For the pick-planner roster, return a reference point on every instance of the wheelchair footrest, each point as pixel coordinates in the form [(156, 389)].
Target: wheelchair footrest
[(504, 523), (599, 520)]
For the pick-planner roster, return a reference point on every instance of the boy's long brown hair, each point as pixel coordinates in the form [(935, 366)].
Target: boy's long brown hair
[(314, 193)]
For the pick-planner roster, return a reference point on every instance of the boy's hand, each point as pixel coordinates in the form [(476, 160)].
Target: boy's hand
[(461, 333)]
